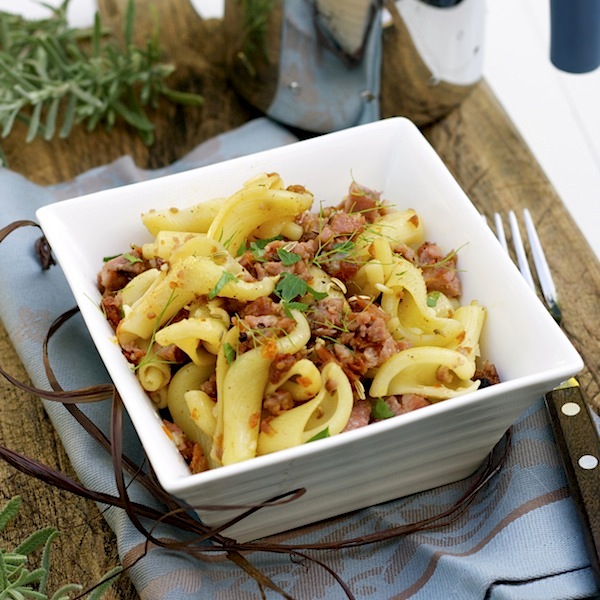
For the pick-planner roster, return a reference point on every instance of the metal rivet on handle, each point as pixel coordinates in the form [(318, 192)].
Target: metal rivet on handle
[(588, 462), (570, 409)]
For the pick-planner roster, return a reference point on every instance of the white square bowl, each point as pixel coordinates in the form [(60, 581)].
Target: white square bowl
[(426, 448)]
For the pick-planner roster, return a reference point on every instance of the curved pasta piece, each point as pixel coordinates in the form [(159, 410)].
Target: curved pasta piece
[(405, 300), (270, 229), (329, 410), (153, 375), (435, 373), (188, 377), (193, 335), (369, 279), (260, 200), (194, 276), (403, 226), (296, 339), (243, 391), (382, 253), (472, 317), (229, 343), (201, 408), (166, 242), (241, 384), (291, 231), (302, 381), (323, 283), (196, 218), (138, 286), (393, 228), (159, 397), (202, 245)]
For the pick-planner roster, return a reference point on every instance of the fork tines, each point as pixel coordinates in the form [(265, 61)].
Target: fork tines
[(537, 252)]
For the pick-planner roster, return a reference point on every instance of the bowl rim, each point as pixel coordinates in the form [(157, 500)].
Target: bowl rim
[(51, 218)]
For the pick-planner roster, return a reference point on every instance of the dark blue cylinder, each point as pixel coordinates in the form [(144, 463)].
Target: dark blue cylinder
[(575, 35)]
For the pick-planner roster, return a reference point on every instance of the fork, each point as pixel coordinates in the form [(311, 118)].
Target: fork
[(576, 436)]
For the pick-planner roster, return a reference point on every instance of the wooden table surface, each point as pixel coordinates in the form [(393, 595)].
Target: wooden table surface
[(477, 142)]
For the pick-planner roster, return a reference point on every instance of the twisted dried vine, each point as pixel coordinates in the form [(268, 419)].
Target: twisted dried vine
[(207, 540)]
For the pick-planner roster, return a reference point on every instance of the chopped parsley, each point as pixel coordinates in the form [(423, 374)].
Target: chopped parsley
[(229, 352), (320, 436), (288, 258), (257, 247), (131, 258), (381, 410), (225, 278), (291, 286)]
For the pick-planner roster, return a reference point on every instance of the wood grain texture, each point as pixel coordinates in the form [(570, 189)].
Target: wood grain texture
[(476, 141)]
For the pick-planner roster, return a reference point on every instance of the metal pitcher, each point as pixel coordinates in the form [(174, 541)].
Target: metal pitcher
[(317, 64)]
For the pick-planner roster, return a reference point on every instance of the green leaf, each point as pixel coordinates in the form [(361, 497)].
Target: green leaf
[(301, 306), (185, 98), (69, 117), (30, 577), (51, 119), (10, 511), (98, 592), (345, 247), (320, 436), (225, 278), (64, 593), (317, 295), (129, 23), (381, 410), (34, 122), (288, 258), (45, 64), (96, 35), (257, 247), (46, 562), (137, 119), (242, 249), (35, 540), (229, 352), (131, 258), (290, 286)]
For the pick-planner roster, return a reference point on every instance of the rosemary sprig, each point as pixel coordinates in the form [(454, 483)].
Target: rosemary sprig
[(17, 581), (51, 72)]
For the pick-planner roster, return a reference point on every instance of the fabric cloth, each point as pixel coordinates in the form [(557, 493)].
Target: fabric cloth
[(521, 539)]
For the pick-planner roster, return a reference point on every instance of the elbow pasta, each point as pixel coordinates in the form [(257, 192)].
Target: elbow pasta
[(259, 326)]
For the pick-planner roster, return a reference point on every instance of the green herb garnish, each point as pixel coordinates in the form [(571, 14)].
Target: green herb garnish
[(257, 247), (291, 286), (381, 410), (53, 76), (225, 278), (131, 258), (288, 258), (320, 436), (17, 581), (229, 352)]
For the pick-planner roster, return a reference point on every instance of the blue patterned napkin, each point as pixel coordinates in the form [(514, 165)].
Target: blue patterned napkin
[(521, 539)]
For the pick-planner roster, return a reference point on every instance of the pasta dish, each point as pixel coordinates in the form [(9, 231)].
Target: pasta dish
[(256, 323)]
